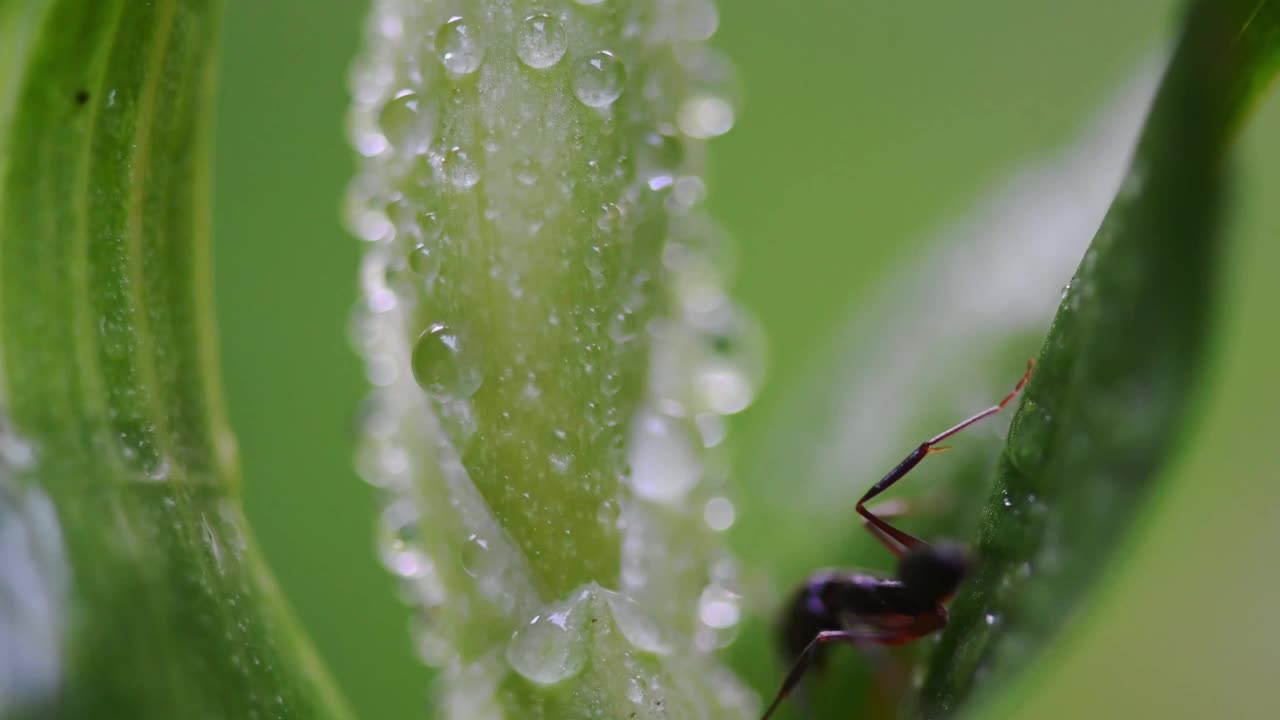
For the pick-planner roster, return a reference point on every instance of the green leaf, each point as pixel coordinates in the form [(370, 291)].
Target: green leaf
[(129, 583), (1115, 381), (544, 317), (928, 346)]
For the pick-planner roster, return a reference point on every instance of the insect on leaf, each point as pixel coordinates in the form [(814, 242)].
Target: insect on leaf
[(1117, 371)]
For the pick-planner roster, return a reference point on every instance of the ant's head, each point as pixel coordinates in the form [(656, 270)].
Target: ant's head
[(932, 573)]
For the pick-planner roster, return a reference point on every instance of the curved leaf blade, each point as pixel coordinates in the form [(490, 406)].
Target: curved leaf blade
[(1117, 370)]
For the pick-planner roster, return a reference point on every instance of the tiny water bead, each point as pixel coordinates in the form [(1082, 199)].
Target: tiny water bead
[(458, 169), (401, 540), (424, 261), (441, 366), (598, 79), (458, 47), (541, 41), (475, 552)]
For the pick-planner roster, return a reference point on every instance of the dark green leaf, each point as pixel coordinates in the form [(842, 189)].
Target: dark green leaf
[(1114, 385)]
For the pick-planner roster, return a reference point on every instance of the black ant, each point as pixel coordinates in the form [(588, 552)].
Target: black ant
[(867, 610)]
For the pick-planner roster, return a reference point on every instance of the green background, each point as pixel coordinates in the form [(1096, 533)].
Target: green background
[(867, 126)]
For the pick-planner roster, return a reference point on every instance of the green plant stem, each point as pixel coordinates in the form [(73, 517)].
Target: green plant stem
[(120, 472)]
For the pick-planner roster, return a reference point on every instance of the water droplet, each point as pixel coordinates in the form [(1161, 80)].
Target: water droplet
[(430, 225), (541, 41), (696, 19), (718, 608), (424, 261), (441, 366), (636, 626), (429, 640), (662, 154), (664, 466), (552, 647), (458, 169), (687, 192), (589, 3), (705, 116), (607, 514), (732, 362), (400, 542), (458, 47), (719, 514), (560, 463), (598, 79), (610, 217), (475, 552), (991, 618), (403, 123), (1029, 435), (712, 428)]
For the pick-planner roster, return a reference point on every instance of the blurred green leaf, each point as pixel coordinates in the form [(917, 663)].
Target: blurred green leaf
[(1112, 391), (129, 583)]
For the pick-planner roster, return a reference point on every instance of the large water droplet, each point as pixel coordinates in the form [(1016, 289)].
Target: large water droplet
[(459, 47), (696, 19), (553, 646), (705, 116), (541, 41), (598, 79), (636, 626), (664, 466), (719, 514), (732, 363), (442, 367), (404, 124), (718, 607)]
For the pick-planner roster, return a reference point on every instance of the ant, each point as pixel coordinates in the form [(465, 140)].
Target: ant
[(867, 610)]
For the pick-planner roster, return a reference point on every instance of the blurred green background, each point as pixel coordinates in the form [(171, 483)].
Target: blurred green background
[(867, 126)]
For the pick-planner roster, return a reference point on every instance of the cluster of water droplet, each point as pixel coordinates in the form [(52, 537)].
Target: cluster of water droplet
[(485, 131)]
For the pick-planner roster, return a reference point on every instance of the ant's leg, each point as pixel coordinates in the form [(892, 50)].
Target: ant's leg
[(888, 509), (887, 540), (806, 656), (928, 447)]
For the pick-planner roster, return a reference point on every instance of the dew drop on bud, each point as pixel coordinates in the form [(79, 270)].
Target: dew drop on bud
[(458, 47), (598, 79), (458, 169), (403, 123), (442, 367), (705, 116), (541, 41)]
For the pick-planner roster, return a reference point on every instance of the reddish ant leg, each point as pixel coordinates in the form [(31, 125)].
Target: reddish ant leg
[(926, 448), (802, 662)]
